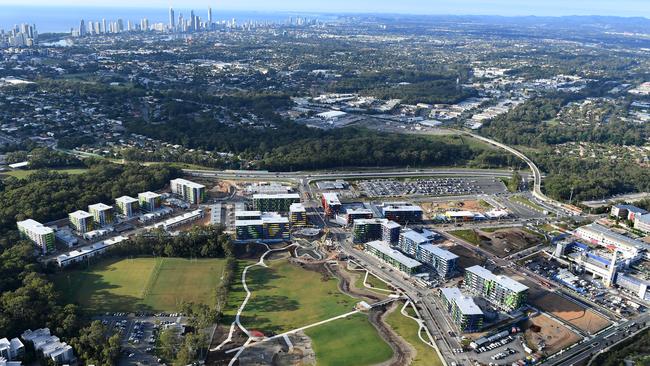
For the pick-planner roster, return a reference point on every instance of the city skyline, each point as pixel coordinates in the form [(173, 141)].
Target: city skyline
[(443, 7)]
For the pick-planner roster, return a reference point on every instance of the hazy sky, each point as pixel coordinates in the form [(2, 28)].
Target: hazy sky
[(493, 7)]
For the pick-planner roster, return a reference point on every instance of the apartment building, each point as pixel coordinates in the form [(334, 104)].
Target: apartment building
[(464, 312), (82, 221), (503, 292), (193, 193), (127, 206), (102, 214), (39, 234)]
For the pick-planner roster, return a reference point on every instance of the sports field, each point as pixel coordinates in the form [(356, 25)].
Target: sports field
[(350, 341), (408, 329), (142, 284), (286, 296)]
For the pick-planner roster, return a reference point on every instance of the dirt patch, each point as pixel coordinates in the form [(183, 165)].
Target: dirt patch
[(467, 258), (504, 242), (548, 335), (278, 352), (221, 358), (403, 353), (571, 312)]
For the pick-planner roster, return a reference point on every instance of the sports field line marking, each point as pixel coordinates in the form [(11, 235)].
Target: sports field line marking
[(152, 278)]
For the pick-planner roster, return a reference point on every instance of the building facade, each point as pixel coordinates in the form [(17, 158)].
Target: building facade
[(275, 202), (467, 316), (331, 204), (365, 230), (39, 234), (503, 292), (298, 215), (102, 214), (126, 206), (82, 221), (266, 227), (395, 258), (149, 201), (190, 192), (401, 212)]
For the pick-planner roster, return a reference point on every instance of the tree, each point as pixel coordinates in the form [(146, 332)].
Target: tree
[(93, 346)]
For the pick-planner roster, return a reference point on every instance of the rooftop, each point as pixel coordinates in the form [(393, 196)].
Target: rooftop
[(439, 252), (465, 303), (276, 196), (394, 254), (126, 199), (100, 207), (415, 237), (504, 281), (148, 195), (35, 226), (80, 214), (188, 183)]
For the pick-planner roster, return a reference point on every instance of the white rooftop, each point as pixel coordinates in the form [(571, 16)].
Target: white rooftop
[(100, 207), (394, 254), (465, 303), (331, 198), (297, 207), (126, 199), (504, 281), (188, 183), (439, 252), (35, 227), (148, 195), (416, 237), (80, 214), (276, 196)]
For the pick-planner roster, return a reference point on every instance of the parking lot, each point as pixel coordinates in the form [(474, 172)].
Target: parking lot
[(430, 187), (139, 335)]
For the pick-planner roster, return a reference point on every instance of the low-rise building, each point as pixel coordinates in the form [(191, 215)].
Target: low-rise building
[(39, 234), (395, 258), (82, 221), (50, 346), (87, 252), (467, 316), (626, 212), (12, 349)]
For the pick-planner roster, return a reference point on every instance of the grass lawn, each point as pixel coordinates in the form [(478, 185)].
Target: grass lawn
[(286, 296), (408, 329), (469, 236), (141, 284), (351, 341), (372, 281), (26, 173)]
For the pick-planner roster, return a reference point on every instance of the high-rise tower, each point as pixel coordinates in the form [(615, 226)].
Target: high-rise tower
[(172, 20)]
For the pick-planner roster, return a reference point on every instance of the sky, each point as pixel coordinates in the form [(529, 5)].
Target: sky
[(458, 7)]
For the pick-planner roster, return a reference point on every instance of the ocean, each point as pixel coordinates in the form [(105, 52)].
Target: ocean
[(62, 19)]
